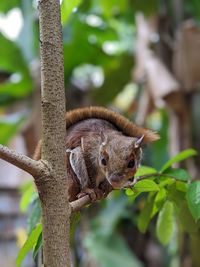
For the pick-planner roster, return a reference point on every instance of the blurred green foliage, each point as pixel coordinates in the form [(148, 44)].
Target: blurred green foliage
[(101, 34)]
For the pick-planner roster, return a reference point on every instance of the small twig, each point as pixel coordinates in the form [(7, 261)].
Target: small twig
[(21, 161), (156, 174), (78, 204), (139, 178)]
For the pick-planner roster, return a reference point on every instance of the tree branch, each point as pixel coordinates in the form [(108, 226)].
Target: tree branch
[(21, 161), (78, 204)]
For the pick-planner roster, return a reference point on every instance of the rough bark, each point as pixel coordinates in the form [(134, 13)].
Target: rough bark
[(52, 190), (33, 167)]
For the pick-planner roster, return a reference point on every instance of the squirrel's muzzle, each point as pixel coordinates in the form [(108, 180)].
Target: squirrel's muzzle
[(118, 180)]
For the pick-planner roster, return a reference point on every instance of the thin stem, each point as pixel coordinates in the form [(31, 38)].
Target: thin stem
[(21, 161), (158, 174), (80, 203), (155, 174)]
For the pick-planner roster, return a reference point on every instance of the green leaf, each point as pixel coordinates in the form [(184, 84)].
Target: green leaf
[(37, 246), (12, 61), (26, 197), (146, 186), (160, 196), (159, 201), (34, 214), (165, 181), (5, 6), (145, 215), (7, 131), (132, 194), (179, 174), (112, 6), (144, 170), (193, 199), (11, 56), (179, 157), (67, 8), (28, 38), (181, 186), (164, 226), (29, 244), (9, 127), (186, 219), (129, 192)]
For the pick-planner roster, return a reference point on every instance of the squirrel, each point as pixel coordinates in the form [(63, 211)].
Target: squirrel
[(103, 151)]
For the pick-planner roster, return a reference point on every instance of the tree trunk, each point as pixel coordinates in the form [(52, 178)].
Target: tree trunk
[(53, 189)]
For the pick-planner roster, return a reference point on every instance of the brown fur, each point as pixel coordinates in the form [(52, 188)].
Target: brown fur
[(90, 124), (121, 123)]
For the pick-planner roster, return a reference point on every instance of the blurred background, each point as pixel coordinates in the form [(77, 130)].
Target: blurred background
[(138, 57)]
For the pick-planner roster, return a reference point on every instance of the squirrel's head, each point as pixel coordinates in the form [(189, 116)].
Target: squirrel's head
[(119, 158)]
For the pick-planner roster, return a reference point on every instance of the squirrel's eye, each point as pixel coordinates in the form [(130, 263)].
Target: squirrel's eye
[(103, 162), (131, 164)]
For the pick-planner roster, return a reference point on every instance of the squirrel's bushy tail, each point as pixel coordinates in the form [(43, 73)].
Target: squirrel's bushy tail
[(120, 122)]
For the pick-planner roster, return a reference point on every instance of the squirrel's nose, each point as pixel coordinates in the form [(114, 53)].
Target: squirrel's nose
[(116, 177)]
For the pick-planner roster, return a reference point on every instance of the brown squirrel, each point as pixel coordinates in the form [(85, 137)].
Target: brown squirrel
[(103, 151)]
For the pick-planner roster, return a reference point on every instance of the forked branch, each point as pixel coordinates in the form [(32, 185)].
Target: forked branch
[(21, 161)]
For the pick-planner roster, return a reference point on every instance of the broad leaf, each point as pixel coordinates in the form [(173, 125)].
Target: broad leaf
[(144, 170), (28, 39), (5, 6), (130, 192), (181, 186), (34, 213), (145, 215), (7, 131), (193, 199), (37, 246), (146, 186), (186, 219), (112, 6), (29, 244), (179, 174), (165, 181), (159, 201), (26, 196), (165, 221), (179, 157), (67, 8), (12, 61)]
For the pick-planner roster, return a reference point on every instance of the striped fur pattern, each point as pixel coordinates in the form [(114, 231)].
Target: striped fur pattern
[(120, 122)]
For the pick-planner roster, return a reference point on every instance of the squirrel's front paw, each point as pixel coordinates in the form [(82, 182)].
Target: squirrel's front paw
[(94, 193)]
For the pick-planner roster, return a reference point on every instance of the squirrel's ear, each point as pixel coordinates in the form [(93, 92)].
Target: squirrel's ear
[(138, 142)]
